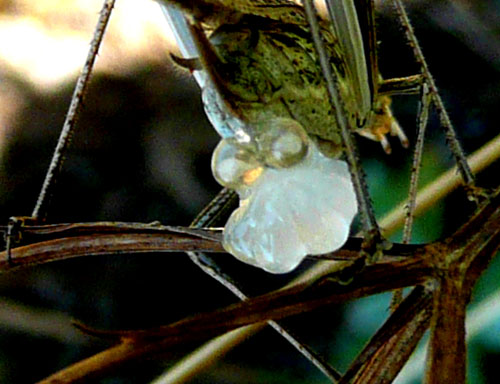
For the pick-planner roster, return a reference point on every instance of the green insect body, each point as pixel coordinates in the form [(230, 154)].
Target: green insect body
[(273, 71), (262, 60)]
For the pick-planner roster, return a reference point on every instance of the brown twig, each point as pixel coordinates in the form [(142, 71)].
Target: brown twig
[(431, 262), (275, 305), (388, 361), (397, 324), (457, 274), (446, 355), (63, 241), (102, 244)]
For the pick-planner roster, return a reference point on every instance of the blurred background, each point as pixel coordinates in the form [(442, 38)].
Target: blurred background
[(142, 152)]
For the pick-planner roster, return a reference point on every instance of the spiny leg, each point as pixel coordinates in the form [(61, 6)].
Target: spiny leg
[(451, 137), (422, 119), (211, 63), (409, 85)]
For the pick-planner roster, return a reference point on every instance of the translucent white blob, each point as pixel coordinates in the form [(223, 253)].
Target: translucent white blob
[(288, 213), (233, 166), (282, 143)]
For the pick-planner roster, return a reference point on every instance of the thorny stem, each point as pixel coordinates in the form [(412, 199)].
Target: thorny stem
[(446, 350), (451, 137), (49, 243), (102, 244), (480, 317), (275, 305), (357, 173), (40, 210)]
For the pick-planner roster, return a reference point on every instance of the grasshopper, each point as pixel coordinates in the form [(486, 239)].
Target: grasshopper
[(264, 76)]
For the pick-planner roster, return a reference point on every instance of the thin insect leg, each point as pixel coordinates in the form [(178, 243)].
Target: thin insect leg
[(209, 60), (40, 210), (13, 233), (409, 85), (220, 206), (223, 202), (422, 119), (212, 67), (365, 206), (451, 137)]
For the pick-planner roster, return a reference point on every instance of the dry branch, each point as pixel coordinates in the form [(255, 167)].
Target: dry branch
[(434, 263), (63, 241)]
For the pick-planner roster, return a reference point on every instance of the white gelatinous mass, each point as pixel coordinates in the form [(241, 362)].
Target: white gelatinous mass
[(286, 213)]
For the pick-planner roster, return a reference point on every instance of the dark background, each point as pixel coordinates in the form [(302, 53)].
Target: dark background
[(142, 153)]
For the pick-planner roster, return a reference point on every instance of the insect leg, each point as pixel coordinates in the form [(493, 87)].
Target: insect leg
[(409, 85)]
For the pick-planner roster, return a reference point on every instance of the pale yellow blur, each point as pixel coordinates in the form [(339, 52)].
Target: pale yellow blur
[(46, 41)]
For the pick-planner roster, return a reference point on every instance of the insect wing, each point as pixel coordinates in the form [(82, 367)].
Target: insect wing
[(346, 25), (366, 18)]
